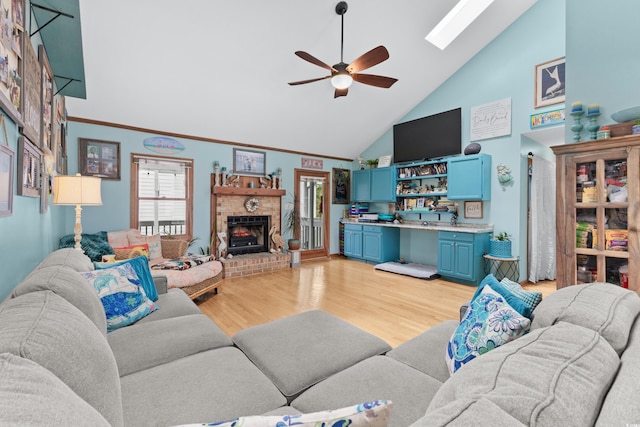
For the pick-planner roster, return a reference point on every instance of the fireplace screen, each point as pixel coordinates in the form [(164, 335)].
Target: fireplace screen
[(247, 234)]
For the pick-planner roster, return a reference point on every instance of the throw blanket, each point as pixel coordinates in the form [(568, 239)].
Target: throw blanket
[(182, 263), (93, 245)]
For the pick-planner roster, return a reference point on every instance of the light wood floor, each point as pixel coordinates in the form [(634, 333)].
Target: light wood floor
[(393, 307)]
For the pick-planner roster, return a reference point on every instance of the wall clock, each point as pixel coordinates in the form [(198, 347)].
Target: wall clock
[(252, 204)]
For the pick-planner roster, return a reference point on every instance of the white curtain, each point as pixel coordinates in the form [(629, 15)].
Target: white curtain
[(542, 242)]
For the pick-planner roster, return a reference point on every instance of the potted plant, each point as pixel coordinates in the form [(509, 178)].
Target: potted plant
[(373, 163), (500, 245), (292, 222)]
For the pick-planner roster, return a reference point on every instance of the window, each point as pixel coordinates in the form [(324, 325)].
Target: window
[(162, 195)]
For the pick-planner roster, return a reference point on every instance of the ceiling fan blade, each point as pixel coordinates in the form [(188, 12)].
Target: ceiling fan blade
[(340, 92), (369, 59), (373, 80), (301, 82), (309, 58)]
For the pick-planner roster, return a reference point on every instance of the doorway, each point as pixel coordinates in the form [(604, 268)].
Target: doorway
[(312, 194)]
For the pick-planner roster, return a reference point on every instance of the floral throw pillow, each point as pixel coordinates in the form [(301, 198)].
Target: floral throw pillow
[(155, 245), (368, 414), (488, 323)]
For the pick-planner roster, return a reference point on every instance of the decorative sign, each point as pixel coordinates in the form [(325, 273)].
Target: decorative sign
[(163, 145), (491, 120), (384, 161), (555, 117), (312, 163), (473, 209)]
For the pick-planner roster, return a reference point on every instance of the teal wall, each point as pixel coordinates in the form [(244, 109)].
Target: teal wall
[(503, 69)]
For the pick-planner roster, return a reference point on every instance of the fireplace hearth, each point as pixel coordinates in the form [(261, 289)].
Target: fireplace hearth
[(247, 234)]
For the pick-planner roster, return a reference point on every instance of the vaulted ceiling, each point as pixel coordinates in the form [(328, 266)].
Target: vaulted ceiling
[(219, 69)]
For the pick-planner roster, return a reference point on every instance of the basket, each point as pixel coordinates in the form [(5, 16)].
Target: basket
[(500, 248), (622, 129), (173, 248)]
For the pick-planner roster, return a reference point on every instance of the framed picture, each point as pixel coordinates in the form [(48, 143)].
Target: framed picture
[(341, 186), (249, 162), (473, 209), (549, 83), (6, 180), (11, 65), (99, 158), (31, 93), (384, 161), (549, 118), (30, 159), (46, 99)]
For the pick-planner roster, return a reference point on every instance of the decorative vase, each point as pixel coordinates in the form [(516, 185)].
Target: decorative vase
[(577, 127), (294, 244), (500, 248), (473, 148)]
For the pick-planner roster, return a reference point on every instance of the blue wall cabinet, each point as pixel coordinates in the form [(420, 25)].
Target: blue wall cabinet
[(371, 243), (373, 185), (353, 240), (460, 256), (469, 177)]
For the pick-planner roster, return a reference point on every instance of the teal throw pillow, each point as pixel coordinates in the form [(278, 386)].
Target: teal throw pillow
[(514, 301), (121, 295), (141, 267), (488, 323), (531, 298)]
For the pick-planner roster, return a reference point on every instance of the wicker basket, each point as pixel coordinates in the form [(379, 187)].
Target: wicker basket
[(500, 248), (622, 129), (173, 248)]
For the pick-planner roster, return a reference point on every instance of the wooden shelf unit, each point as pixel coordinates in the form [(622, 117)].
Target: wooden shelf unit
[(599, 157)]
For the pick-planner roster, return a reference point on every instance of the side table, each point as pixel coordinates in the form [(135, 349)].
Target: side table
[(502, 267)]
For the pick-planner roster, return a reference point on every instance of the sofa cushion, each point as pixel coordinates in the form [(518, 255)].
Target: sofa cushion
[(469, 412), (145, 345), (31, 395), (120, 238), (45, 328), (121, 294), (140, 265), (155, 245), (512, 299), (367, 414), (301, 350), (607, 309), (531, 298), (127, 252), (551, 374), (488, 323), (70, 257), (220, 384), (376, 378), (70, 285), (425, 352), (172, 304), (621, 404)]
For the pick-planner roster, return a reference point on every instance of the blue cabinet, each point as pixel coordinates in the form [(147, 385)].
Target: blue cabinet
[(373, 185), (460, 256), (469, 177), (371, 243)]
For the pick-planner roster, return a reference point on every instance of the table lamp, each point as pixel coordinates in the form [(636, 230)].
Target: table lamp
[(80, 191)]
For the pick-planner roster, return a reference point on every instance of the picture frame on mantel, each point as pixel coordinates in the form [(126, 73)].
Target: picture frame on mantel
[(549, 83), (249, 162)]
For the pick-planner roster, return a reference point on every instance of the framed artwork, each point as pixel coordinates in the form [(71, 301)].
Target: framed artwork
[(341, 186), (549, 83), (384, 161), (6, 180), (58, 138), (46, 99), (31, 93), (549, 118), (473, 209), (99, 158), (11, 64), (29, 159), (249, 162)]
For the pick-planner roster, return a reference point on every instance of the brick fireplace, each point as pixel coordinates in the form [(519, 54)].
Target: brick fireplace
[(229, 202)]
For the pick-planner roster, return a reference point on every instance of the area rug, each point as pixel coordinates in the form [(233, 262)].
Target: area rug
[(412, 269)]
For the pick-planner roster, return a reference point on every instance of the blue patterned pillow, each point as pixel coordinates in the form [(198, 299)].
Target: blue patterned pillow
[(514, 301), (121, 294), (368, 414), (141, 267), (488, 323), (531, 298)]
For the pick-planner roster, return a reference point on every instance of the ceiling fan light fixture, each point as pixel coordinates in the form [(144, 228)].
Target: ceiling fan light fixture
[(342, 80), (455, 22)]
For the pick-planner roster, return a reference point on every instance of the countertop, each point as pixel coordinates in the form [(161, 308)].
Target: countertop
[(429, 226)]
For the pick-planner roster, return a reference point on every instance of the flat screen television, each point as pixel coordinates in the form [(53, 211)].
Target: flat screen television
[(429, 137)]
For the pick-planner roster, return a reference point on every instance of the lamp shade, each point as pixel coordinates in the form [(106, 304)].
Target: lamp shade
[(77, 190)]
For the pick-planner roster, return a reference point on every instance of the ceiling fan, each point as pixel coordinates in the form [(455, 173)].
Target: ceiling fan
[(342, 75)]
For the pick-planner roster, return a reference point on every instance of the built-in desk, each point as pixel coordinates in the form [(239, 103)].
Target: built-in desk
[(460, 246)]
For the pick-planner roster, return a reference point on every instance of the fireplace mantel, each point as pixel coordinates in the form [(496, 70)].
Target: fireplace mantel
[(239, 191)]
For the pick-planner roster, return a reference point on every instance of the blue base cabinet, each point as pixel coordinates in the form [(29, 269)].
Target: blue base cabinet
[(371, 243), (460, 256)]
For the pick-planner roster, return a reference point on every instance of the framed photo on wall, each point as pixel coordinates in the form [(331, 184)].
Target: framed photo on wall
[(46, 99), (549, 83), (99, 158), (473, 209), (249, 162), (30, 159), (31, 93), (6, 180), (11, 70), (341, 186)]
